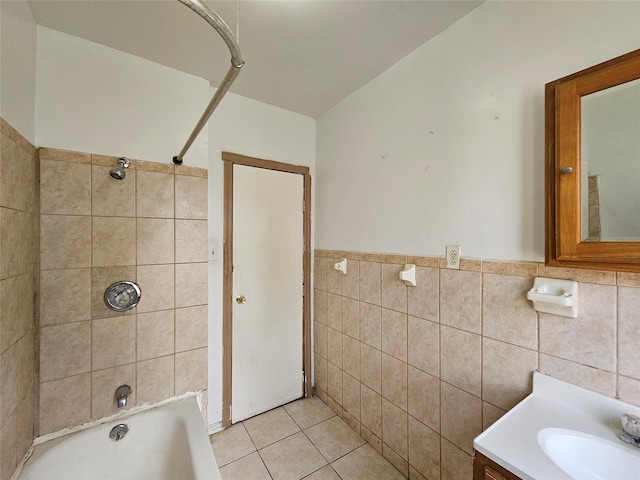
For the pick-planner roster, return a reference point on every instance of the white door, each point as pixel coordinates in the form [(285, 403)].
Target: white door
[(268, 245)]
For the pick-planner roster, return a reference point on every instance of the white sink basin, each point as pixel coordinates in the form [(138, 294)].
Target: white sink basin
[(587, 457)]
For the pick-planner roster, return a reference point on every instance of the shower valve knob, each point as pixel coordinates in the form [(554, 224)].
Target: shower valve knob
[(240, 299)]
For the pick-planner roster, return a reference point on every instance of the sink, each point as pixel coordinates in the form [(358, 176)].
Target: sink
[(587, 457)]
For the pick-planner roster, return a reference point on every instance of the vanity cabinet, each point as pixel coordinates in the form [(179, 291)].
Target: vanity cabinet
[(486, 469)]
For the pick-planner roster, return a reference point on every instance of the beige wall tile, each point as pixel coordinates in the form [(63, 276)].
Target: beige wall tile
[(461, 359), (334, 384), (157, 285), (104, 384), (320, 339), (351, 281), (507, 373), (424, 449), (113, 342), (351, 317), (65, 296), (111, 197), (191, 371), (351, 395), (154, 167), (401, 464), (154, 195), (191, 284), (11, 389), (371, 367), (371, 410), (155, 379), (191, 197), (424, 345), (112, 241), (588, 339), (155, 241), (490, 415), (319, 273), (461, 300), (9, 243), (65, 188), (154, 334), (629, 332), (629, 390), (424, 398), (192, 244), (374, 442), (101, 279), (64, 155), (371, 324), (320, 372), (334, 277), (65, 350), (461, 417), (507, 315), (519, 269), (334, 347), (65, 242), (320, 306), (9, 174), (26, 242), (423, 299), (11, 328), (60, 410), (455, 463), (581, 375), (334, 311), (370, 283), (394, 334), (351, 356), (191, 328), (628, 279), (395, 428), (394, 381), (578, 275), (394, 291)]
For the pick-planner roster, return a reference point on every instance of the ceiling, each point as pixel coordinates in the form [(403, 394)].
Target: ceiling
[(302, 55)]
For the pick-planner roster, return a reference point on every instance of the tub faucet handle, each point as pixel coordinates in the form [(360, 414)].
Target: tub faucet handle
[(631, 427), (122, 393)]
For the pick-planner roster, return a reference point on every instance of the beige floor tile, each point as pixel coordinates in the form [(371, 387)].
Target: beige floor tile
[(247, 468), (292, 458), (309, 411), (365, 464), (231, 444), (325, 473), (270, 427), (334, 438)]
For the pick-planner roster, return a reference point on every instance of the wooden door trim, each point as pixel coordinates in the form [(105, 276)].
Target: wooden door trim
[(231, 159)]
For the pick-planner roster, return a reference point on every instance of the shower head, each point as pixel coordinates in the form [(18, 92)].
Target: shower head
[(118, 171)]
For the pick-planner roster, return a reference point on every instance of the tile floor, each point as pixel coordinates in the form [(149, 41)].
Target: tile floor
[(303, 439)]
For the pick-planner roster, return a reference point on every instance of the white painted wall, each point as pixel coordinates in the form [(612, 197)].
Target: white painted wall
[(248, 127), (447, 146), (92, 98), (18, 67)]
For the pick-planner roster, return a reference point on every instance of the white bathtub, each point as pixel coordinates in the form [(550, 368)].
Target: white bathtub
[(168, 442)]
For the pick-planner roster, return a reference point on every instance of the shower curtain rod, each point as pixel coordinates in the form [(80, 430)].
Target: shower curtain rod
[(218, 24)]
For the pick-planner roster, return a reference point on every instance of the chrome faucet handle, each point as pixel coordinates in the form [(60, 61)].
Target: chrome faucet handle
[(631, 427), (122, 393)]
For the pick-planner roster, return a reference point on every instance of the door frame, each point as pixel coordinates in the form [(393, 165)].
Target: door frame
[(231, 159)]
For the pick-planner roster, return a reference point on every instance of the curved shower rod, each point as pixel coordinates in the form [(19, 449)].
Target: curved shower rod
[(218, 24)]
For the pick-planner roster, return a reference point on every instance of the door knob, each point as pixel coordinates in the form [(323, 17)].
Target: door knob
[(241, 299)]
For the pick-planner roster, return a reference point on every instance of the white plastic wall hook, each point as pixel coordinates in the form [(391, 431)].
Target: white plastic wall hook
[(558, 297), (408, 275), (341, 266)]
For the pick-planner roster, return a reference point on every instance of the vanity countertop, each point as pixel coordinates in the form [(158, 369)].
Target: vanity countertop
[(512, 441)]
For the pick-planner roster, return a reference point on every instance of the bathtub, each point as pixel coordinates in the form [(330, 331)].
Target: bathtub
[(167, 442)]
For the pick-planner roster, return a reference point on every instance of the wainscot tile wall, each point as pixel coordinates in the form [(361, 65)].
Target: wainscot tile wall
[(18, 296), (150, 228), (420, 371)]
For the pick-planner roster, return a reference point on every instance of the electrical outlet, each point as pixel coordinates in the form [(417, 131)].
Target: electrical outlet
[(453, 256)]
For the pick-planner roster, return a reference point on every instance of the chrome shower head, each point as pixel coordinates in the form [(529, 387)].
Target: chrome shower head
[(118, 171)]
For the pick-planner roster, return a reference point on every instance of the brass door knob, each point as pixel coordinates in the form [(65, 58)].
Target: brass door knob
[(241, 299)]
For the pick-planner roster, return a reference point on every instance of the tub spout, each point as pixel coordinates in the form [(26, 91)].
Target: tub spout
[(122, 393)]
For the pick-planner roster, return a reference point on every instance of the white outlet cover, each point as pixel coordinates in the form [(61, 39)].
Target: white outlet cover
[(453, 256)]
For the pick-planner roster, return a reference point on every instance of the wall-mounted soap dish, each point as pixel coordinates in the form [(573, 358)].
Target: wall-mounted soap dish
[(558, 297)]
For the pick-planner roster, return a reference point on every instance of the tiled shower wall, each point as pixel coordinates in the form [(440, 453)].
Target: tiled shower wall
[(420, 371), (150, 228), (18, 296)]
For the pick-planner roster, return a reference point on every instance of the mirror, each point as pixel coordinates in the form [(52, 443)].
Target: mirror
[(592, 150)]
